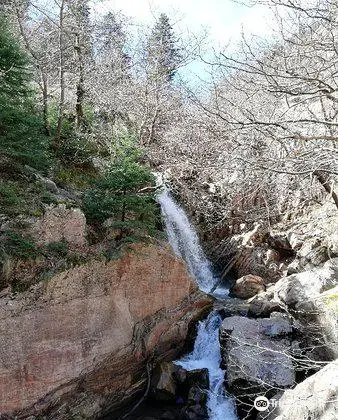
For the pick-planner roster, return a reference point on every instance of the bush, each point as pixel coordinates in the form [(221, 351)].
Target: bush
[(9, 194), (58, 248), (14, 244)]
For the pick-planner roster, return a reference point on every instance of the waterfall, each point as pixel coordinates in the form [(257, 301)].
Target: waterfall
[(185, 243), (206, 354)]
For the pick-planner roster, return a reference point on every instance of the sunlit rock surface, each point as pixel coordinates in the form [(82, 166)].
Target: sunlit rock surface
[(79, 344)]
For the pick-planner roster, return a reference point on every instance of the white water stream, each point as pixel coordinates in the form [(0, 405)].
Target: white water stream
[(206, 354), (185, 243)]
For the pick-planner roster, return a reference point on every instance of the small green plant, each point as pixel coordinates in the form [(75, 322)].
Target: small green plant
[(58, 248), (75, 176), (18, 246), (9, 194)]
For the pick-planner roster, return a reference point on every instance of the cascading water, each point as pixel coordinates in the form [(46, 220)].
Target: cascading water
[(206, 353), (185, 243)]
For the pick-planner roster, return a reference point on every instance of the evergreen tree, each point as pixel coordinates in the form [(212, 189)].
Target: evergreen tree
[(20, 126), (123, 195), (163, 53), (111, 46)]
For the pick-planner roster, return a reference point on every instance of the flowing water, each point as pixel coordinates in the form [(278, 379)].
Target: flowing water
[(185, 243), (206, 354)]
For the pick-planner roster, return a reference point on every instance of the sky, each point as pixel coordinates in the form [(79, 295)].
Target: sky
[(224, 20)]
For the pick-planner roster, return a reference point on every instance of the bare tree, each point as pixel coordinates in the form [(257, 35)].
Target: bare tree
[(279, 98)]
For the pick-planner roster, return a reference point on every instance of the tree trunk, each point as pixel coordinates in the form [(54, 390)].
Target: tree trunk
[(45, 103), (80, 91), (325, 181), (57, 139)]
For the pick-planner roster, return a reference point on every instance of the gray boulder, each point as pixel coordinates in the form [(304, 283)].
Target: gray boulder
[(252, 358), (313, 399), (263, 304), (311, 297)]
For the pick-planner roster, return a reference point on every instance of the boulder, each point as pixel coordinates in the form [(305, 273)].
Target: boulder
[(195, 412), (61, 224), (163, 382), (47, 183), (280, 242), (262, 305), (248, 286), (80, 344), (311, 297), (256, 355), (258, 260), (197, 396), (198, 378), (301, 287), (314, 398), (314, 237)]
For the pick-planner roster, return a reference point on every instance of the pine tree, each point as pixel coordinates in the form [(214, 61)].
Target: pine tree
[(163, 53), (111, 46)]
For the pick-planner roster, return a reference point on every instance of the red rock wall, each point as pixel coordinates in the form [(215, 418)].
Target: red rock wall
[(85, 336)]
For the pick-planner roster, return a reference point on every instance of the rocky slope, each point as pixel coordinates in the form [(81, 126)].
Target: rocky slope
[(79, 345), (290, 281)]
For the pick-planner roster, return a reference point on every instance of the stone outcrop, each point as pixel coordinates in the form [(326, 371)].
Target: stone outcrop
[(61, 224), (79, 345), (248, 286), (257, 357), (314, 237)]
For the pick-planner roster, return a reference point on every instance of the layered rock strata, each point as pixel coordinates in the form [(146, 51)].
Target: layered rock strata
[(79, 345)]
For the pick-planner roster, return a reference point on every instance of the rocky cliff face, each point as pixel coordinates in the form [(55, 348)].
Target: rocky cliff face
[(79, 345)]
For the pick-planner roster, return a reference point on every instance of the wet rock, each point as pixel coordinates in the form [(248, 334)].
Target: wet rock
[(168, 415), (198, 377), (180, 374), (248, 286), (195, 412), (262, 305), (231, 307), (197, 396)]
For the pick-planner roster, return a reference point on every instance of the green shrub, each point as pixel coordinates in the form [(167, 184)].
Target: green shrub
[(14, 244), (75, 176), (77, 149), (9, 194), (58, 248)]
